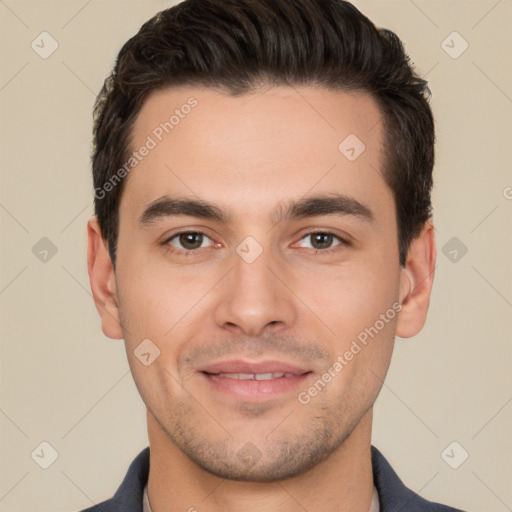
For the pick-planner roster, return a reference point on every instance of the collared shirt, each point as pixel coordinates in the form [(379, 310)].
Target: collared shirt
[(393, 495), (374, 506)]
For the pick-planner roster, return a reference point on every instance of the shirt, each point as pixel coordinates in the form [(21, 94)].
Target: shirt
[(374, 505), (393, 495)]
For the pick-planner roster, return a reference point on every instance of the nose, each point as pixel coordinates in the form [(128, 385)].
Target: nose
[(255, 298)]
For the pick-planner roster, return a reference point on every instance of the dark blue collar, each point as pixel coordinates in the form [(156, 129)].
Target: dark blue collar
[(394, 496)]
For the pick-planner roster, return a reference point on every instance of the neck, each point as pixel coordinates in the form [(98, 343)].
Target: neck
[(343, 482)]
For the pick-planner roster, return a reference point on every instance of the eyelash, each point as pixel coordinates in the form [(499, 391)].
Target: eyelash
[(191, 252)]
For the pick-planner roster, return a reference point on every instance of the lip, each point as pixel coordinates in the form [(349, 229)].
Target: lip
[(242, 366), (251, 389)]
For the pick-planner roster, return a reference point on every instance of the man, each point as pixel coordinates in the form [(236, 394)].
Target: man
[(262, 174)]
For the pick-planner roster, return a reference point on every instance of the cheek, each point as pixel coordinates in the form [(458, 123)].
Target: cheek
[(359, 304), (350, 298), (159, 303)]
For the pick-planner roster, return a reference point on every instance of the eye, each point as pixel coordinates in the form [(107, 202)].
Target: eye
[(323, 241), (188, 241)]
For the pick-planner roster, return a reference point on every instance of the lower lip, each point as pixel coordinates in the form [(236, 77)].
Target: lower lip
[(255, 389)]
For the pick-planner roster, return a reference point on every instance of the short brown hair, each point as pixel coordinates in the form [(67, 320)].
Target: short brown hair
[(240, 45)]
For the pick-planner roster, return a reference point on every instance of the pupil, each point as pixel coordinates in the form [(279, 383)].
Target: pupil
[(325, 240), (187, 240)]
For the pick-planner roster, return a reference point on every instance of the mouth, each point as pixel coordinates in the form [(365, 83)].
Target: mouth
[(254, 381), (253, 376)]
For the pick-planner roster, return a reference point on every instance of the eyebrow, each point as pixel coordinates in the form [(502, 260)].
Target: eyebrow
[(168, 207), (323, 205), (306, 207)]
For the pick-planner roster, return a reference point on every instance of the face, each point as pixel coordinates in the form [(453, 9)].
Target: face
[(260, 258)]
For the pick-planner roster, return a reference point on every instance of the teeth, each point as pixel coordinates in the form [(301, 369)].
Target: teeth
[(268, 376), (254, 376), (237, 376)]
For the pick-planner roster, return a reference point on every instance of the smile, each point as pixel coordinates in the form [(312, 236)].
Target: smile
[(255, 376)]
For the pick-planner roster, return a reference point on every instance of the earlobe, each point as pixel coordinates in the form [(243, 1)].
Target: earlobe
[(416, 283), (102, 280)]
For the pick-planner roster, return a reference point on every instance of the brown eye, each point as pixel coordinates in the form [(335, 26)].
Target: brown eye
[(188, 241), (321, 240)]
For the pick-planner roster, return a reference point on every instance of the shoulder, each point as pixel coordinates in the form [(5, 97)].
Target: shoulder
[(128, 497), (394, 496)]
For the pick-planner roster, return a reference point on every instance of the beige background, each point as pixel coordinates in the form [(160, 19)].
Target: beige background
[(64, 382)]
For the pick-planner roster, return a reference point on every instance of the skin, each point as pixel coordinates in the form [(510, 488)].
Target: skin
[(247, 155)]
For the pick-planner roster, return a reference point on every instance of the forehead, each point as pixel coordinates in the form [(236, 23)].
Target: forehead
[(256, 149)]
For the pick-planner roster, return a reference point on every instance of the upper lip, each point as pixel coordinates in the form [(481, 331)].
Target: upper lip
[(241, 366)]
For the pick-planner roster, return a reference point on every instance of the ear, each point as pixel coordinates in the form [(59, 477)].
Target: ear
[(102, 279), (416, 282)]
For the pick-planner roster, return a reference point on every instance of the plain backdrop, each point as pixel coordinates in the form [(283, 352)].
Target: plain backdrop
[(64, 383)]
